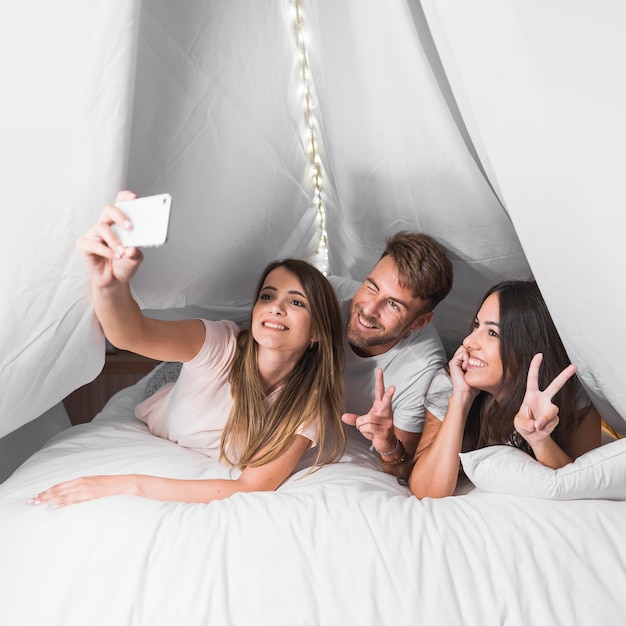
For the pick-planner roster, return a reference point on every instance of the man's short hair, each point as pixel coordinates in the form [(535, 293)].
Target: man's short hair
[(422, 265)]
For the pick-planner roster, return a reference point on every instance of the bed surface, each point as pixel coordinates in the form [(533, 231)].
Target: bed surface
[(343, 545)]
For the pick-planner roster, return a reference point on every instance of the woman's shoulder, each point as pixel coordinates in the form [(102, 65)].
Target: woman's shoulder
[(220, 341), (227, 327), (438, 394)]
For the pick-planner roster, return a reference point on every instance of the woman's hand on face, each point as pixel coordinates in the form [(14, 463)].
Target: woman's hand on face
[(539, 416), (81, 490), (458, 367), (107, 260)]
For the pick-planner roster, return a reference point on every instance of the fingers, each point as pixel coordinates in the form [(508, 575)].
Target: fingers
[(125, 195), (371, 424), (349, 418), (527, 426), (382, 395), (56, 496), (380, 418), (555, 386), (362, 423), (109, 216), (532, 381), (386, 400), (65, 493), (547, 425), (460, 358), (379, 384), (458, 367), (524, 425), (101, 232)]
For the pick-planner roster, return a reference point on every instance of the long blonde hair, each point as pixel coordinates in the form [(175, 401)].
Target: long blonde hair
[(313, 390)]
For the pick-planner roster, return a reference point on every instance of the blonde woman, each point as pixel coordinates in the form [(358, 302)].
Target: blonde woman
[(256, 398)]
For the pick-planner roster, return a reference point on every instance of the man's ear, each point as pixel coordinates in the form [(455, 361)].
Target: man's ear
[(421, 321)]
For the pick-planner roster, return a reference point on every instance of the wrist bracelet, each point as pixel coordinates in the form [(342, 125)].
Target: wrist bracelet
[(400, 460), (395, 449)]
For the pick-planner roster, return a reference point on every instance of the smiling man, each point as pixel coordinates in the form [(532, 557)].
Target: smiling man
[(390, 341)]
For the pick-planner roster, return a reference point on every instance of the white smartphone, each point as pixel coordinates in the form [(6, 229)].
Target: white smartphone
[(150, 217)]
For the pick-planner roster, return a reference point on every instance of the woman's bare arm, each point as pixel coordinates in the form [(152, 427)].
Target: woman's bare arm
[(268, 477)]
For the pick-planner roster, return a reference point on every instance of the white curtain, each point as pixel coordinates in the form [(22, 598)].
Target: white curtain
[(540, 86), (485, 124), (66, 70)]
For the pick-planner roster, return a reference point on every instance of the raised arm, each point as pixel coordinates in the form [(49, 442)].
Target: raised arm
[(268, 477), (111, 267), (539, 416), (436, 470), (387, 440)]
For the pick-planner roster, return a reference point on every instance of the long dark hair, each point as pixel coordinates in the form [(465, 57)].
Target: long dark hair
[(526, 328)]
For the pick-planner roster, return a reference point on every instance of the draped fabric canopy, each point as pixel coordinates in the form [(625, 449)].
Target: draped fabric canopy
[(311, 129)]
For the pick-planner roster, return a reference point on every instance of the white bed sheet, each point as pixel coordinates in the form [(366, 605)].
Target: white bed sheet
[(344, 545)]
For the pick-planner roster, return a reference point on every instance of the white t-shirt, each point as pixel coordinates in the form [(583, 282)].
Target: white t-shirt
[(409, 366)]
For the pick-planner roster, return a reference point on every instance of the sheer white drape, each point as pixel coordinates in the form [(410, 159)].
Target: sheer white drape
[(218, 122), (540, 86), (430, 119), (66, 70)]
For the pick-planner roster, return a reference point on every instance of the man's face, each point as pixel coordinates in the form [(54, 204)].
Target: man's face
[(382, 312)]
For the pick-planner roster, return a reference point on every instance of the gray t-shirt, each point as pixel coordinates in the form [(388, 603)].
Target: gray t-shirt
[(409, 366)]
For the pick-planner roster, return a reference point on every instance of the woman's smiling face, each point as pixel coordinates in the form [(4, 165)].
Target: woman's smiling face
[(281, 318), (484, 368)]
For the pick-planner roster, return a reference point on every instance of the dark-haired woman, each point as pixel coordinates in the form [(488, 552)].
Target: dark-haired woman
[(511, 383)]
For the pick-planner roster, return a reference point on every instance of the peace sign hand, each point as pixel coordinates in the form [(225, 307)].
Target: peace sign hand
[(377, 425), (539, 416)]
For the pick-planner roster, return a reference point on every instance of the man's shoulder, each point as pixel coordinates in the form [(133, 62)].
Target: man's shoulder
[(345, 288), (425, 339), (419, 352)]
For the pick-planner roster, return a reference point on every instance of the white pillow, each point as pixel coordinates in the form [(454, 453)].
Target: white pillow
[(598, 474)]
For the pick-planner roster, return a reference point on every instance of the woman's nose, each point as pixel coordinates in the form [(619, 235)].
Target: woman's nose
[(470, 341), (278, 307)]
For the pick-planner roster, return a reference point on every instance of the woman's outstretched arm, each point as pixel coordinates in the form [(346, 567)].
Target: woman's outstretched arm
[(111, 267), (268, 477)]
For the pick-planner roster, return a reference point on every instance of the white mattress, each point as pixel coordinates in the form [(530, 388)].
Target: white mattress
[(344, 545)]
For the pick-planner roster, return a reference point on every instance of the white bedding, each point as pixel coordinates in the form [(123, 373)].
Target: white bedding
[(342, 546)]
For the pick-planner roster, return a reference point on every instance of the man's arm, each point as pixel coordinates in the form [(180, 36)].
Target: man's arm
[(409, 440)]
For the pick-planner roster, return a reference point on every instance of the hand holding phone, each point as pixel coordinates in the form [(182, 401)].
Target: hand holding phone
[(150, 219)]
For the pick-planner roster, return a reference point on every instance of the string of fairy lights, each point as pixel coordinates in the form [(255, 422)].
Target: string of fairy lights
[(310, 122)]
